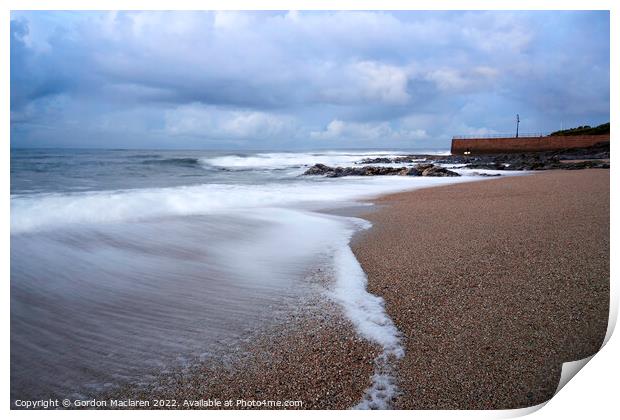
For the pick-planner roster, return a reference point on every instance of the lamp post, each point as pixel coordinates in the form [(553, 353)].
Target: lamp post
[(518, 125)]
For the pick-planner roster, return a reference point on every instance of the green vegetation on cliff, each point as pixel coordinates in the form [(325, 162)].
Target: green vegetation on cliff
[(583, 130)]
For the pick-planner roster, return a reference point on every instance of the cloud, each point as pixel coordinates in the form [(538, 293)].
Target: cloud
[(453, 80), (209, 122), (448, 79), (270, 76), (383, 132), (369, 82), (497, 33)]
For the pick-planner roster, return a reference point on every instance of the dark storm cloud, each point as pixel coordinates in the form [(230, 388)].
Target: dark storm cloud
[(308, 79)]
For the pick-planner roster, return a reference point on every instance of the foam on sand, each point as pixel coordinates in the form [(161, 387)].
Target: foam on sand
[(367, 312)]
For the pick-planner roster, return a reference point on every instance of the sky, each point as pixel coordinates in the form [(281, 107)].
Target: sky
[(302, 80)]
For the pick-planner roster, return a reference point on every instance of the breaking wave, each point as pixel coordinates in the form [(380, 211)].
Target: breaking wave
[(50, 210), (293, 160)]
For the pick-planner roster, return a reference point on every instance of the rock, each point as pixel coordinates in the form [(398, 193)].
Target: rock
[(418, 170), (375, 160), (317, 169), (530, 164), (585, 165), (413, 172), (397, 159), (331, 172), (424, 166), (438, 171)]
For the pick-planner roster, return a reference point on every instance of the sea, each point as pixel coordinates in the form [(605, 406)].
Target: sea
[(129, 262)]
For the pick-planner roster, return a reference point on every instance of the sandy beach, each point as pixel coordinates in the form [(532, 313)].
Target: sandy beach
[(493, 285)]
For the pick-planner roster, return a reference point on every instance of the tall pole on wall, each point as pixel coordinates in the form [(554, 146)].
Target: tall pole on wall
[(518, 125)]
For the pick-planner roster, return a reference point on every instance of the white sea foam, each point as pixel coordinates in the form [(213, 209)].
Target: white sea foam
[(367, 312), (284, 160), (44, 211), (364, 309)]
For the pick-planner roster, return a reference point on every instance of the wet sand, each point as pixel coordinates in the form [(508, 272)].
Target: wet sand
[(493, 284), (316, 357)]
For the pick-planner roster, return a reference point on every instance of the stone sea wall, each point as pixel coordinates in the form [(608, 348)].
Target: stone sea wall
[(479, 146)]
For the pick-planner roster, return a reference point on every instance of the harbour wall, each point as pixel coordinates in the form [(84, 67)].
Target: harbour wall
[(479, 146)]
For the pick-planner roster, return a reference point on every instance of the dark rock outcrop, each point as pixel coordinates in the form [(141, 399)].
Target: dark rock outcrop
[(375, 161), (538, 165), (397, 159), (432, 170), (318, 169), (418, 170), (570, 159), (515, 161)]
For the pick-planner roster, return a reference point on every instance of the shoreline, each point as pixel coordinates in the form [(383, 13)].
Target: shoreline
[(492, 284), (318, 356)]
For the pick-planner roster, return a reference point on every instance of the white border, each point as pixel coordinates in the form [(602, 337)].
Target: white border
[(592, 394), (311, 5)]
